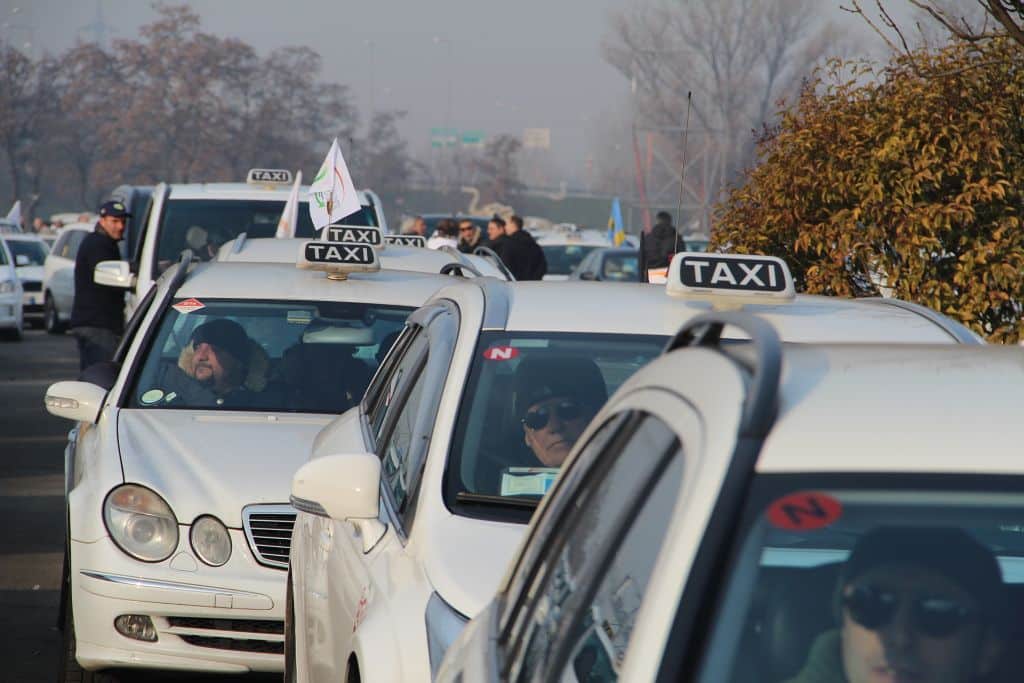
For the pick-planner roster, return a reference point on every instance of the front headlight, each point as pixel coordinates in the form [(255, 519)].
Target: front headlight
[(210, 540), (6, 287), (444, 625), (141, 523)]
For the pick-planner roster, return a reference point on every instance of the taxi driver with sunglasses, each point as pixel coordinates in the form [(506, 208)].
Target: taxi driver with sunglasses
[(556, 397), (920, 605)]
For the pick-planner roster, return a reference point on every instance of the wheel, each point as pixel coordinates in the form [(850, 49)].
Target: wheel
[(289, 634), (70, 671), (51, 319)]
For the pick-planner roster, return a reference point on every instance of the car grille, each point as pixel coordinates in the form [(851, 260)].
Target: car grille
[(238, 635), (32, 286), (268, 529)]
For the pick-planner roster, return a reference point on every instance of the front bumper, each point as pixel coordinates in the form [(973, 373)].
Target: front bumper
[(227, 619), (32, 301)]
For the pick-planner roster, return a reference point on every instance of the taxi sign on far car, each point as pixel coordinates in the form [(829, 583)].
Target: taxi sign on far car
[(406, 240), (730, 279), (356, 234), (269, 176)]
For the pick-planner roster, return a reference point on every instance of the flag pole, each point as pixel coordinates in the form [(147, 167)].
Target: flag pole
[(682, 171)]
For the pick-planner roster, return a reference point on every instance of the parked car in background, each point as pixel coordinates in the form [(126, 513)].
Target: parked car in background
[(11, 320), (29, 253), (59, 277), (566, 245), (616, 264)]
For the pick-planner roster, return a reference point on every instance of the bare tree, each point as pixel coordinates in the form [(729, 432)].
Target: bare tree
[(736, 57), (973, 22)]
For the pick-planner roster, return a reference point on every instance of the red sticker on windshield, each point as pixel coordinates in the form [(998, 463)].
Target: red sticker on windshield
[(501, 353), (804, 511), (188, 305)]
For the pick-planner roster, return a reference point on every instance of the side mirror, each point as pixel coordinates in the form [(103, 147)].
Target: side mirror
[(344, 488), (22, 260), (113, 274), (78, 401)]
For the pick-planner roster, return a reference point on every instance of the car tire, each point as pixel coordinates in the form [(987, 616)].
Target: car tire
[(70, 670), (289, 633), (51, 318)]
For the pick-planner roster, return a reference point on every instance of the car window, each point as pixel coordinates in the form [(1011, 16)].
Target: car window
[(3, 254), (295, 356), (74, 242), (563, 258), (395, 384), (32, 252), (596, 571), (621, 268), (398, 468), (852, 578), (528, 398)]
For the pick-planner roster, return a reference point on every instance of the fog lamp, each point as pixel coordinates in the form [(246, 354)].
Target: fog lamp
[(136, 627)]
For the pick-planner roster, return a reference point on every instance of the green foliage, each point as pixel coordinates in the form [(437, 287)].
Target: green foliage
[(906, 179)]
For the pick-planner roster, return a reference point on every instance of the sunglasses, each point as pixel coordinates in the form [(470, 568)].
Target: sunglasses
[(469, 229), (931, 616), (539, 418)]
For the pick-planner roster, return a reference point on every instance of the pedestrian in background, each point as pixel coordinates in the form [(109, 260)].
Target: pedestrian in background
[(97, 314), (418, 227), (496, 239), (445, 235), (469, 236), (661, 243), (525, 257)]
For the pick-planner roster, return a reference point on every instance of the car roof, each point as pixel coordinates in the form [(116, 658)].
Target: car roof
[(582, 238), (393, 257), (634, 308), (285, 282), (22, 237), (242, 191)]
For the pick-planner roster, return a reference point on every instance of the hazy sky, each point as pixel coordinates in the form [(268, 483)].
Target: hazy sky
[(507, 65)]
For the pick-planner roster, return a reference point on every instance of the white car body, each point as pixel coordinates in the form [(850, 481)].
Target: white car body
[(361, 588), (59, 276), (564, 237), (848, 410), (11, 295), (30, 273), (147, 266), (231, 464)]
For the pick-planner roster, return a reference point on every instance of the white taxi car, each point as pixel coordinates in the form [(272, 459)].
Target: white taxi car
[(413, 503), (565, 246), (59, 276), (768, 512), (29, 252), (200, 217), (11, 297), (177, 477)]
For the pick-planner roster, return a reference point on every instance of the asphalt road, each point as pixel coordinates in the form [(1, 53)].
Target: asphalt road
[(31, 509)]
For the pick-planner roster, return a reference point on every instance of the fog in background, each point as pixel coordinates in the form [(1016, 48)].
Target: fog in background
[(494, 67)]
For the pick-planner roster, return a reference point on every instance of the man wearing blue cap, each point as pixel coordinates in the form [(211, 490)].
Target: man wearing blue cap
[(97, 315)]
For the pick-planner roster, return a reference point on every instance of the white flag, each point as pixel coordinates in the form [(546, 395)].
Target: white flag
[(290, 216), (14, 215), (332, 196)]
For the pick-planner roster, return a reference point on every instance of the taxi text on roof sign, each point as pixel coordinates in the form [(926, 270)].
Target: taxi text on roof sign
[(406, 240), (354, 234), (269, 176), (338, 259), (730, 278)]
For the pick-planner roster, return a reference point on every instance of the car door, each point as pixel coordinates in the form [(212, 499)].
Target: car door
[(62, 283), (574, 597)]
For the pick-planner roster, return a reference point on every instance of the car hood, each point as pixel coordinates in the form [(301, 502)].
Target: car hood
[(30, 273), (215, 462), (468, 559)]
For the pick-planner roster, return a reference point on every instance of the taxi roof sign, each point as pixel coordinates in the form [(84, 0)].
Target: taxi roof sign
[(730, 280), (406, 240), (338, 259), (354, 234), (269, 176)]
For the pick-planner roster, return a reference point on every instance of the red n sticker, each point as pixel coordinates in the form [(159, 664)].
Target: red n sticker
[(804, 511), (501, 353)]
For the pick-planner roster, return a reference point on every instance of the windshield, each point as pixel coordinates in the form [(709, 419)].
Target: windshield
[(528, 398), (294, 356), (563, 258), (836, 582), (621, 268), (202, 225), (32, 250)]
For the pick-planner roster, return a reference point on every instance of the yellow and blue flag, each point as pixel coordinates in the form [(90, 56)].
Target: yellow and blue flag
[(616, 228)]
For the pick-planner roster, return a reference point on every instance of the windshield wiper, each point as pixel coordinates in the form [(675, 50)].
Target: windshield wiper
[(498, 501)]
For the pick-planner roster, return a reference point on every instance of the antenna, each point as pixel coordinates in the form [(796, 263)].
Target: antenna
[(99, 26), (682, 170)]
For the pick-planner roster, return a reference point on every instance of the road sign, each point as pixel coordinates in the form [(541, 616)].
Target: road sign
[(472, 138), (537, 138), (443, 137)]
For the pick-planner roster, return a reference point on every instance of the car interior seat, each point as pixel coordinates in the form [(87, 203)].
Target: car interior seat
[(319, 371)]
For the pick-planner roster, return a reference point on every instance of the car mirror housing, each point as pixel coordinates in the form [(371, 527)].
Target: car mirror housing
[(342, 487), (78, 401), (113, 274)]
